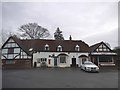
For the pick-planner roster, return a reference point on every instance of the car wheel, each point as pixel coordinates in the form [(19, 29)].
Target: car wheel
[(85, 68)]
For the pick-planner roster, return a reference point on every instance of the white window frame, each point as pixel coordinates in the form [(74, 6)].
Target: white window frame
[(59, 48), (46, 47), (77, 48)]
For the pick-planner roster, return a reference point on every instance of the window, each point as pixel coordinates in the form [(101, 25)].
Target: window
[(77, 48), (105, 59), (62, 59), (16, 50), (4, 51), (10, 50), (46, 47), (39, 60), (10, 62), (10, 56), (59, 48), (43, 59)]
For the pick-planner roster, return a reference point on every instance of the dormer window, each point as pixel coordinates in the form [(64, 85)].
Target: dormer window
[(59, 48), (77, 48), (46, 47)]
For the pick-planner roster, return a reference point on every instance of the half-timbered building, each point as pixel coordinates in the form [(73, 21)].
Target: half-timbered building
[(27, 53), (102, 55), (15, 55)]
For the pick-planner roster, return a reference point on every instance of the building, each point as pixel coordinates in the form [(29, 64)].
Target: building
[(101, 54), (27, 53)]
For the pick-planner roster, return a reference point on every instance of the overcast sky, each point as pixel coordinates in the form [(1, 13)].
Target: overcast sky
[(91, 22)]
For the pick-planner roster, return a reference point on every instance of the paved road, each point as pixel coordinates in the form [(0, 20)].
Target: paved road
[(59, 78)]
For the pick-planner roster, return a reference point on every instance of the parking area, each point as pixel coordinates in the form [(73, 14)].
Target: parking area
[(59, 78)]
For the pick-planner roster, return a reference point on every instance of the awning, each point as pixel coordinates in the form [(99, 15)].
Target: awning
[(103, 53)]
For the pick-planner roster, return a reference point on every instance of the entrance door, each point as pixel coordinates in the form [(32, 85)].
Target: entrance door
[(73, 62), (55, 61), (35, 64)]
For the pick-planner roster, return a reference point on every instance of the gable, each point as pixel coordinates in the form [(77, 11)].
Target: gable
[(10, 43), (102, 48), (11, 50)]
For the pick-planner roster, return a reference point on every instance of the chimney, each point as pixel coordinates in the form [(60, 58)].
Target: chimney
[(70, 37)]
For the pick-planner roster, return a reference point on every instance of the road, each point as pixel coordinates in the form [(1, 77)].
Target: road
[(59, 78)]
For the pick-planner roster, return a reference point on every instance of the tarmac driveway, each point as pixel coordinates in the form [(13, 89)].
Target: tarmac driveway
[(59, 78)]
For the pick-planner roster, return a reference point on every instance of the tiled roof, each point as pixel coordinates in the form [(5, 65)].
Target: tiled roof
[(95, 46), (39, 45)]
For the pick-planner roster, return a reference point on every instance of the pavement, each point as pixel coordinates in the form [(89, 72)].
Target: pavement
[(59, 78)]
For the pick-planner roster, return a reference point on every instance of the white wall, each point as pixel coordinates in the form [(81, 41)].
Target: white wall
[(68, 58)]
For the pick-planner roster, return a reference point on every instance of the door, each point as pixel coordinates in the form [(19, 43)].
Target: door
[(35, 64), (55, 61), (73, 62)]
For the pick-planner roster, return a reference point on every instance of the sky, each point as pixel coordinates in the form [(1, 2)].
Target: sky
[(91, 22)]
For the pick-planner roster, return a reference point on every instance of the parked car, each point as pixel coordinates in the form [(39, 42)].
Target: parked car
[(89, 66)]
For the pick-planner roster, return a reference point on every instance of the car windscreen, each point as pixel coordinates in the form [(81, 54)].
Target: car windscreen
[(88, 63)]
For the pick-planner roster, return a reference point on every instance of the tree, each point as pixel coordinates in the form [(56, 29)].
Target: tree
[(117, 50), (5, 34), (58, 35), (33, 31)]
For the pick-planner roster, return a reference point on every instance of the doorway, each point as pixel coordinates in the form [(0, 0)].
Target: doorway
[(55, 61), (73, 62)]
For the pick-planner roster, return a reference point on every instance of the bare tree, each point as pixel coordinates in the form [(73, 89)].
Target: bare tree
[(58, 35), (33, 31), (5, 34)]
